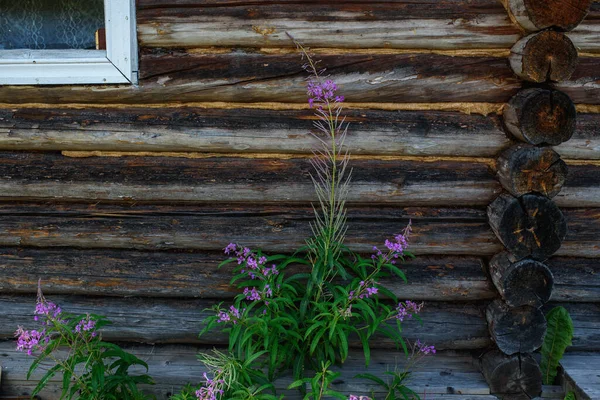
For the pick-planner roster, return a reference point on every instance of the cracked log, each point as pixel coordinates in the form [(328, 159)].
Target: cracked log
[(535, 15), (541, 116), (524, 168), (515, 330), (544, 56), (521, 283), (531, 225), (510, 376)]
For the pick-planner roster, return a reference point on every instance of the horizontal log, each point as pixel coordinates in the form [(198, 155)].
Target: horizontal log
[(447, 326), (377, 132), (445, 231), (51, 176), (348, 24), (184, 274), (179, 77), (172, 366)]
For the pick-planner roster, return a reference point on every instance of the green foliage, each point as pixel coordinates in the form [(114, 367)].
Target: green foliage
[(570, 396), (91, 369), (395, 387), (188, 392), (319, 384), (303, 321), (558, 337)]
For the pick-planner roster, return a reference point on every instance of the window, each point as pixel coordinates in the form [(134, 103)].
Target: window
[(47, 42)]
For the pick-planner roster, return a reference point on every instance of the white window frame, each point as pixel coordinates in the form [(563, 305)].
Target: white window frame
[(116, 64)]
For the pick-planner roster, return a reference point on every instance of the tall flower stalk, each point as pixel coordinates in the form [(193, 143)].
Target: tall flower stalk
[(331, 176)]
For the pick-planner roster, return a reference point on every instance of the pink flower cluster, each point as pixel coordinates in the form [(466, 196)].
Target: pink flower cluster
[(365, 290), (232, 315), (30, 341), (426, 350), (86, 325), (257, 267), (211, 389), (255, 295), (407, 310), (395, 249), (323, 93), (353, 397)]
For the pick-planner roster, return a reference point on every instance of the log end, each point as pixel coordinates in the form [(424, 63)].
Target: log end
[(511, 376), (544, 56)]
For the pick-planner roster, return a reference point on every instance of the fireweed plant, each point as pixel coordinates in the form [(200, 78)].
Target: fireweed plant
[(91, 369), (304, 321)]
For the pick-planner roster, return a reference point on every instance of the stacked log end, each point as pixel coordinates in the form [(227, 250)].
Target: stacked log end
[(524, 218)]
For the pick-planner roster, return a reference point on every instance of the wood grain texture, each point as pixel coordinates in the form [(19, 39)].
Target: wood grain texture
[(442, 231), (239, 130), (422, 182), (264, 131), (456, 24), (184, 273), (175, 365), (178, 77), (450, 326)]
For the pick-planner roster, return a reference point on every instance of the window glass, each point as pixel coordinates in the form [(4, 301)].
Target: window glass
[(50, 24)]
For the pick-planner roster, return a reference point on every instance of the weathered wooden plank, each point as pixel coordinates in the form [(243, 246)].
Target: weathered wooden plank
[(423, 182), (264, 131), (374, 132), (179, 77), (273, 228), (175, 365), (446, 325), (52, 176), (183, 274), (349, 24), (449, 326), (581, 374)]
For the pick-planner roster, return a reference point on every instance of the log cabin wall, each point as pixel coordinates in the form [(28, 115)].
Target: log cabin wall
[(120, 198)]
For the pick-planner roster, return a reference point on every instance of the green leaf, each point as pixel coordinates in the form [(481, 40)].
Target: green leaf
[(570, 396), (44, 381), (558, 337)]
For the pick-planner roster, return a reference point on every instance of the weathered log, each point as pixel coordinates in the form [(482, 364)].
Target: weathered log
[(515, 330), (183, 274), (530, 225), (173, 366), (521, 283), (345, 24), (162, 320), (263, 179), (249, 130), (456, 231), (524, 168), (544, 56), (536, 15), (507, 376), (541, 116), (243, 77)]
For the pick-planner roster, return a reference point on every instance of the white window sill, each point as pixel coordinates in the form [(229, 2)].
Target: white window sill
[(51, 67)]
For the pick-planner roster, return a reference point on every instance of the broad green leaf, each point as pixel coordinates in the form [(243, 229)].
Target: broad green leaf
[(558, 337)]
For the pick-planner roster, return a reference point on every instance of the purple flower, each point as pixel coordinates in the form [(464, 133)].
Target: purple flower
[(29, 341), (232, 315), (211, 389), (407, 310), (322, 92), (353, 397), (424, 349), (85, 325), (230, 248)]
